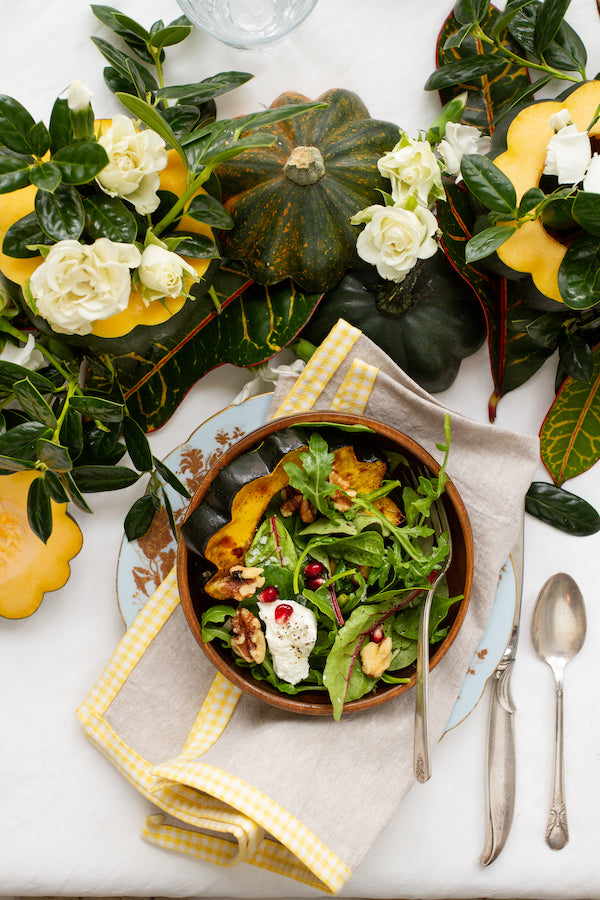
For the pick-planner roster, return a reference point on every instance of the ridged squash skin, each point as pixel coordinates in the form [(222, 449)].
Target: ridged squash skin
[(287, 225), (532, 249), (28, 567), (441, 324), (138, 325)]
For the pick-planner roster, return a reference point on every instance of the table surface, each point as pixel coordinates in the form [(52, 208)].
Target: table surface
[(69, 822)]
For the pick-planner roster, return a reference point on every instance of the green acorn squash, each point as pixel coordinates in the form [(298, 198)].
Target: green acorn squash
[(427, 323), (519, 151), (291, 203)]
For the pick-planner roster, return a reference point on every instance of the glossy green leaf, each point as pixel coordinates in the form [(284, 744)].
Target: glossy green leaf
[(39, 139), (74, 493), (544, 329), (490, 95), (171, 34), (95, 479), (139, 518), (567, 51), (11, 372), (45, 176), (56, 488), (570, 434), (55, 456), (20, 440), (576, 356), (137, 445), (487, 241), (579, 273), (207, 89), (127, 82), (548, 21), (81, 161), (98, 408), (39, 509), (119, 60), (585, 209), (181, 119), (255, 323), (464, 70), (468, 11), (170, 478), (109, 217), (488, 183), (33, 403), (557, 507), (71, 433), (209, 210), (60, 214), (14, 170), (12, 464), (15, 125), (25, 233), (60, 127), (198, 246)]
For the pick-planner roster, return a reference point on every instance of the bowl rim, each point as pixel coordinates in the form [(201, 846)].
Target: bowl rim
[(296, 704)]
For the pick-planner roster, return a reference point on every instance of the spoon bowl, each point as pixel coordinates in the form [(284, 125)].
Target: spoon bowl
[(558, 628)]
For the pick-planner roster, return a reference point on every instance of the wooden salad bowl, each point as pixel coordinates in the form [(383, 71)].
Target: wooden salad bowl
[(213, 498)]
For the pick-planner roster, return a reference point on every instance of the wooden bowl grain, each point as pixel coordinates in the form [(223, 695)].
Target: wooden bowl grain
[(195, 601)]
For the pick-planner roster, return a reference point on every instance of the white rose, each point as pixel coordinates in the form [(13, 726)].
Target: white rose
[(78, 284), (396, 238), (78, 96), (591, 181), (413, 171), (163, 273), (568, 155), (26, 356), (459, 140), (135, 159)]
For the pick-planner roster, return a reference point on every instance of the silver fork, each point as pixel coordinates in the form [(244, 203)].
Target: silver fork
[(421, 749)]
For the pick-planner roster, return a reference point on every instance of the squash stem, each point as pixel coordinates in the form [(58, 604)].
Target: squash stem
[(394, 298)]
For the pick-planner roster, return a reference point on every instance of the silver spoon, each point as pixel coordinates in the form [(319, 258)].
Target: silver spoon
[(558, 631)]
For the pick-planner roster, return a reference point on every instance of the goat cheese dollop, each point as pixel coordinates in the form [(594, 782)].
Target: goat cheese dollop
[(290, 637)]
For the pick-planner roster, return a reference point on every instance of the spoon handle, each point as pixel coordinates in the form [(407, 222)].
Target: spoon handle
[(557, 833)]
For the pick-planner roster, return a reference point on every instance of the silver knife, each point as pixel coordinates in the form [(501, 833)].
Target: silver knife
[(501, 735)]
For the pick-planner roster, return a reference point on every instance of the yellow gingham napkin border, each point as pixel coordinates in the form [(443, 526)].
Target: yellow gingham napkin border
[(208, 800)]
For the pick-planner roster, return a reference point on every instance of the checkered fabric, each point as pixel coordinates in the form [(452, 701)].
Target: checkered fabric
[(200, 809)]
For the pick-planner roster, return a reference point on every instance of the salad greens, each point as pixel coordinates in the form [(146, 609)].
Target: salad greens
[(372, 572)]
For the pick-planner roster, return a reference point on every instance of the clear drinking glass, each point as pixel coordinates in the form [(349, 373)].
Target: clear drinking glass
[(246, 23)]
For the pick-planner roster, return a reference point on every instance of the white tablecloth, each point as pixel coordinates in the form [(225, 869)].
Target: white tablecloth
[(69, 824)]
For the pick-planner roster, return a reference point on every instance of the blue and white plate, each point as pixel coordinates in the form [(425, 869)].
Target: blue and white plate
[(143, 564)]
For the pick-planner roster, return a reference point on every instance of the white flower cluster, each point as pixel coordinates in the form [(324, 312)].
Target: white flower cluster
[(404, 231), (79, 284), (569, 154)]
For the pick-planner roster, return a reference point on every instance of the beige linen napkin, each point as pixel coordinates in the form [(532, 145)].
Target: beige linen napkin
[(232, 779)]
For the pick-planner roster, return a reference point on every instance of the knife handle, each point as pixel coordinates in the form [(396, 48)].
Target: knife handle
[(500, 765)]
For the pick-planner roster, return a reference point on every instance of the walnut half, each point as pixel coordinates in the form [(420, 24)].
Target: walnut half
[(248, 640), (376, 657)]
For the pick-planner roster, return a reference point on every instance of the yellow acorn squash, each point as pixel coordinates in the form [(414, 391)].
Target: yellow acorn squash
[(532, 249), (117, 334), (28, 567)]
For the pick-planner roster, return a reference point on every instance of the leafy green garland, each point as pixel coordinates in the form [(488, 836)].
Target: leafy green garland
[(491, 55), (72, 435)]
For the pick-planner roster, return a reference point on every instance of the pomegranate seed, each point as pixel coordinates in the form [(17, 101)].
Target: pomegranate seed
[(377, 634), (313, 583), (282, 613), (312, 569), (268, 595)]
